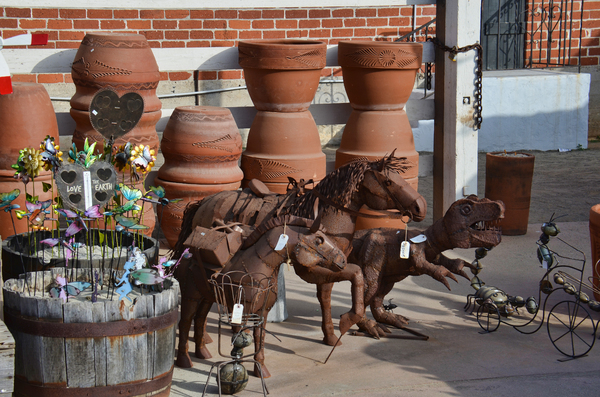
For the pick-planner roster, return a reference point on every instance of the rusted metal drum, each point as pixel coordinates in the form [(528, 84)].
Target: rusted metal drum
[(508, 178), (27, 117), (79, 348), (595, 241), (202, 146)]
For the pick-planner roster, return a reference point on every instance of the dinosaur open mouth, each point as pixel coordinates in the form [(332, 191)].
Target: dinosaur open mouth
[(486, 226)]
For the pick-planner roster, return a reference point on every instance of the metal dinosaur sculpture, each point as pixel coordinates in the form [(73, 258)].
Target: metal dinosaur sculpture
[(338, 197), (468, 223)]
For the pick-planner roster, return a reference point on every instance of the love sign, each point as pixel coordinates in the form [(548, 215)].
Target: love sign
[(115, 116), (81, 188)]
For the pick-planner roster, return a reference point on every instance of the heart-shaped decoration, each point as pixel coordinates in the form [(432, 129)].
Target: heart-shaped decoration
[(82, 188), (115, 116)]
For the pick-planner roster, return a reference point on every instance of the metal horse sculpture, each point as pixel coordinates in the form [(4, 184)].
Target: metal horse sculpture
[(337, 198)]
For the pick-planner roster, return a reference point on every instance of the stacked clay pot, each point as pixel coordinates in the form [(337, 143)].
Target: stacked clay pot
[(121, 62), (202, 146), (282, 78), (27, 117), (379, 77)]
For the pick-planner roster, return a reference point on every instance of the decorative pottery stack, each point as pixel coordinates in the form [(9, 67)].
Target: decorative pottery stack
[(379, 78), (282, 78), (202, 146), (123, 63), (27, 117)]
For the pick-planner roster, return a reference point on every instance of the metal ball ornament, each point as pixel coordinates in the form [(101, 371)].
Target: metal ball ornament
[(559, 279), (234, 378), (531, 305)]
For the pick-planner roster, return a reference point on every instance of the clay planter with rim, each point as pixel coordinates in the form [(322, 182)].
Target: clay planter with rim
[(21, 130), (201, 145), (123, 63), (282, 78), (378, 78), (282, 75), (595, 242), (508, 178), (171, 215)]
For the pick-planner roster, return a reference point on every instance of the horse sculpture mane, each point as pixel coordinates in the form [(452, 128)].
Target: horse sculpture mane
[(341, 184)]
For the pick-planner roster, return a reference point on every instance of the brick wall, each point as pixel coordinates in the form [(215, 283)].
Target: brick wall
[(210, 28)]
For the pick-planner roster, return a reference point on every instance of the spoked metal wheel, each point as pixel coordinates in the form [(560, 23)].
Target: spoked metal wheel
[(571, 329), (488, 317)]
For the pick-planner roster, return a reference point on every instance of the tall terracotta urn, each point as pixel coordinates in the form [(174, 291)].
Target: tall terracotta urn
[(282, 78), (122, 63), (202, 146), (27, 117), (508, 177), (379, 77)]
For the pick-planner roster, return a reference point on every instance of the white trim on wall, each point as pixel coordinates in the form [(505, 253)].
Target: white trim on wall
[(206, 4)]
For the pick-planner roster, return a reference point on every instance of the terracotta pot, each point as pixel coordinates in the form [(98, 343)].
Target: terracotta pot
[(372, 135), (379, 75), (378, 78), (20, 130), (201, 145), (144, 132), (282, 75), (282, 78), (595, 241), (171, 215), (508, 178), (372, 223), (281, 145), (123, 62)]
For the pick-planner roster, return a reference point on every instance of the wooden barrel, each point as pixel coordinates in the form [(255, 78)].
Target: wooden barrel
[(19, 252), (80, 348)]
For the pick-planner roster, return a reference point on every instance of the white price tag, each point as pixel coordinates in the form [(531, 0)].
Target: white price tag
[(283, 239), (236, 315), (545, 265), (404, 250), (87, 189), (418, 239)]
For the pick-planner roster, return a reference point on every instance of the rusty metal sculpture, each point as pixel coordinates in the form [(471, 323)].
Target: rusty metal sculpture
[(469, 222), (317, 258)]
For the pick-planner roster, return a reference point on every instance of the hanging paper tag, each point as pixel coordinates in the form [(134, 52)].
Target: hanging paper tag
[(283, 239), (87, 189), (404, 250), (236, 315), (418, 239), (545, 265)]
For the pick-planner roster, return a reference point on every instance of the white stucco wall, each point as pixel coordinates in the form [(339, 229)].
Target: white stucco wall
[(527, 110)]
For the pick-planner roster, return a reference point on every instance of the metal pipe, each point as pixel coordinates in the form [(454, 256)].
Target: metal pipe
[(193, 93)]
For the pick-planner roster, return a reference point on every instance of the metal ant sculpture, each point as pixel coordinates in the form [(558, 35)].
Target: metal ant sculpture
[(570, 327)]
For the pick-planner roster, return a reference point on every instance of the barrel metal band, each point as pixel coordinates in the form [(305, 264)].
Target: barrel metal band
[(52, 329), (160, 386)]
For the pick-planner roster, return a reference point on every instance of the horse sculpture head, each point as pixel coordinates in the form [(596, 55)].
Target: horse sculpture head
[(384, 188)]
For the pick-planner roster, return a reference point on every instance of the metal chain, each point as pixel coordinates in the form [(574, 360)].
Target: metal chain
[(478, 72)]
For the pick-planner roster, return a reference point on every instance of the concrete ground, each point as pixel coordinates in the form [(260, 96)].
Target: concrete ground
[(458, 359)]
